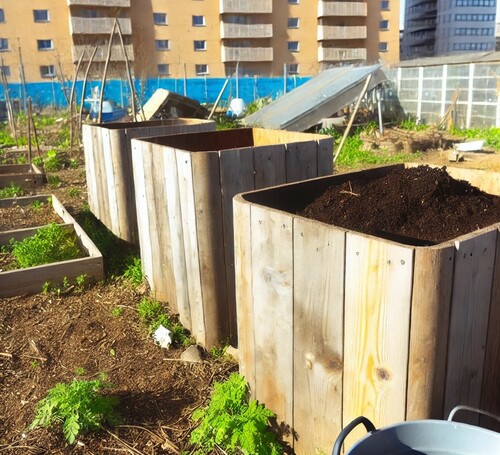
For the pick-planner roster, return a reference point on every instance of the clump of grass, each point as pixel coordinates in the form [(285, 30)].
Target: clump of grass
[(411, 124), (490, 135)]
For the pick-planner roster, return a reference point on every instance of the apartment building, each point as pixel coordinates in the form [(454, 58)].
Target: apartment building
[(435, 27), (45, 39)]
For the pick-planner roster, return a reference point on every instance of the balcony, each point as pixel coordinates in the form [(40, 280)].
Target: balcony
[(109, 3), (98, 25), (246, 30), (326, 32), (102, 52), (335, 54), (246, 6), (342, 9), (247, 54)]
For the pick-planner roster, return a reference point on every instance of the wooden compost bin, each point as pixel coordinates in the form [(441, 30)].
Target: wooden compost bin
[(184, 189), (108, 168), (334, 324), (31, 280), (27, 176)]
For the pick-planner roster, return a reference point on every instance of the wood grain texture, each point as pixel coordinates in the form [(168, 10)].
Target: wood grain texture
[(236, 176), (318, 282), (243, 290), (430, 310), (325, 156), (470, 308), (301, 159), (269, 165), (272, 266), (90, 141), (377, 328), (109, 142)]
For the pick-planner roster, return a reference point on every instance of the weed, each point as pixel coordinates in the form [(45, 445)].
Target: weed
[(225, 123), (73, 163), (152, 314), (37, 205), (218, 351), (116, 311), (490, 135), (38, 161), (6, 138), (51, 243), (254, 106), (46, 287), (133, 271), (80, 406), (234, 423), (13, 190), (412, 124), (21, 159), (79, 371), (54, 181), (80, 281), (52, 161), (35, 364)]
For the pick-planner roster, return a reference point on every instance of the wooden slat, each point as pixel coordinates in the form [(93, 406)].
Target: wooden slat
[(318, 281), (236, 173), (490, 398), (377, 329), (269, 162), (102, 191), (111, 214), (21, 234), (474, 264), (325, 156), (23, 201), (193, 272), (430, 310), (272, 265), (244, 286), (90, 141), (301, 160), (176, 265), (209, 232)]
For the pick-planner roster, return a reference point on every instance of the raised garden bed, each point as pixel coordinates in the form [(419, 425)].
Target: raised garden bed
[(27, 176), (185, 186), (334, 323), (108, 166), (31, 280)]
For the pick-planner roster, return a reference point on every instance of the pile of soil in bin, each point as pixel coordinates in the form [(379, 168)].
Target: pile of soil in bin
[(416, 206)]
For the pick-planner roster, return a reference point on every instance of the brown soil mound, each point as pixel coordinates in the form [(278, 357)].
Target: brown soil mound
[(418, 206)]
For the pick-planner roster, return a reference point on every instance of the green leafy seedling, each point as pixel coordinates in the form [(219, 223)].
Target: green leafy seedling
[(133, 271), (12, 190), (79, 406), (234, 423), (116, 311)]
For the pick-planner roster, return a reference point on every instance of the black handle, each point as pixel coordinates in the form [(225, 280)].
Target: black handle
[(344, 433)]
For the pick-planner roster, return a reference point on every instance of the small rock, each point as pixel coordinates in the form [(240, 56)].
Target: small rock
[(233, 352), (191, 354)]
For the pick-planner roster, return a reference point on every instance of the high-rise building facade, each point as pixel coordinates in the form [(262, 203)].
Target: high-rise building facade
[(445, 27), (161, 38)]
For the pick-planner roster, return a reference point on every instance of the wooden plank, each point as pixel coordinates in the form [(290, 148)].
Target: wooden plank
[(193, 272), (272, 274), (379, 277), (102, 190), (470, 307), (236, 174), (90, 138), (318, 281), (430, 310), (20, 234), (23, 201), (301, 160), (176, 265), (139, 149), (243, 290), (269, 162), (209, 226), (109, 184), (325, 156), (490, 398)]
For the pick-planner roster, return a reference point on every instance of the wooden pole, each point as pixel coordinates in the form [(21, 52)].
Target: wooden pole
[(29, 131), (63, 81), (85, 87), (71, 103), (219, 97), (8, 103), (108, 58), (351, 120), (23, 79)]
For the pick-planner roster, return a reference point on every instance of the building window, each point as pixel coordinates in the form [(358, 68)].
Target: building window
[(164, 69), (198, 21), (384, 25), (383, 47), (48, 71), (41, 15), (162, 45), (293, 46), (160, 18), (90, 13), (293, 22), (293, 68), (293, 2), (45, 44), (200, 45), (2, 15), (4, 44), (384, 5), (201, 70), (5, 70)]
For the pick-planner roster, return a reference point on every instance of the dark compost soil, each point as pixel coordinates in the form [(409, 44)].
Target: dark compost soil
[(418, 206)]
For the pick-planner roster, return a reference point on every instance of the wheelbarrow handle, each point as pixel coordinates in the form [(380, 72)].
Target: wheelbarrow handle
[(472, 409), (345, 432)]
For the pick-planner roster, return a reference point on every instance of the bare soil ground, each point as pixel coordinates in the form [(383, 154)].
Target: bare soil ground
[(44, 339)]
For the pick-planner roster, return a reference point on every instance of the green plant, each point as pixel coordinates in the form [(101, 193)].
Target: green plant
[(37, 205), (490, 135), (79, 371), (38, 161), (46, 287), (35, 364), (51, 243), (225, 123), (133, 271), (234, 423), (80, 406), (54, 181), (116, 311), (152, 314), (259, 103), (412, 124), (21, 159), (218, 351), (52, 161), (80, 281), (12, 190)]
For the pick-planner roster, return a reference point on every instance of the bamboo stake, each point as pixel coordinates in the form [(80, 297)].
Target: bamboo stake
[(29, 131), (8, 103), (108, 58), (219, 97), (85, 87), (71, 102), (351, 120)]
